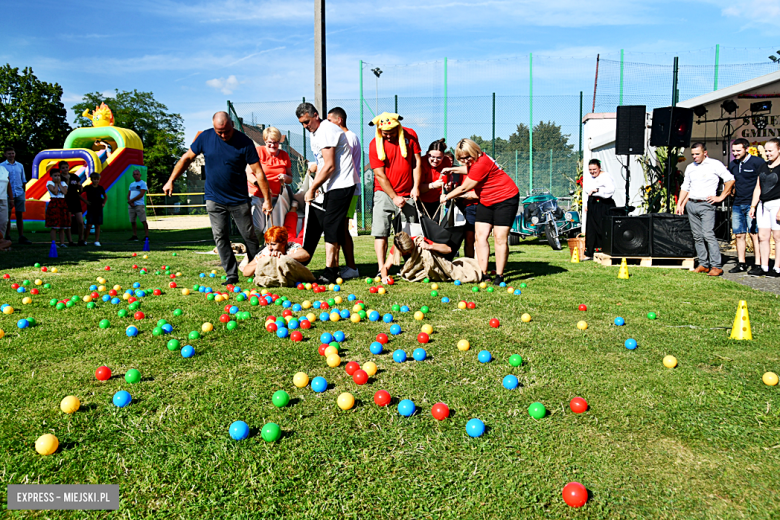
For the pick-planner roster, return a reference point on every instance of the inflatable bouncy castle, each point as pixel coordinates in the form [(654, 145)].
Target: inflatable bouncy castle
[(85, 151)]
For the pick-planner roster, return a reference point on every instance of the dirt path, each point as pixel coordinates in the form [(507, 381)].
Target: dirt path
[(184, 222)]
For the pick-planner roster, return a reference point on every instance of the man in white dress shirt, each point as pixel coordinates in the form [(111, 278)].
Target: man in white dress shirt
[(698, 194), (597, 191)]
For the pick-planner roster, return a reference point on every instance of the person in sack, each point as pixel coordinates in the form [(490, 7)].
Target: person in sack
[(275, 265)]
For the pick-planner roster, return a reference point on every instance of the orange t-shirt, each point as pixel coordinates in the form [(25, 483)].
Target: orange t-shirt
[(273, 165)]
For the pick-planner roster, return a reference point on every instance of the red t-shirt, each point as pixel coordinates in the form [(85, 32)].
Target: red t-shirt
[(431, 174), (272, 165), (493, 184), (397, 168)]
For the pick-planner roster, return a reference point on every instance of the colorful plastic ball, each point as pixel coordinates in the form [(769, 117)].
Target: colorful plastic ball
[(515, 360), (326, 337), (475, 428), (494, 323), (282, 332), (770, 379), (345, 401), (578, 405), (132, 376), (157, 331), (324, 316), (583, 307), (471, 305), (339, 336), (271, 432), (457, 282), (651, 315), (207, 327), (423, 338), (406, 407), (382, 338), (370, 368), (131, 331), (300, 380), (239, 430), (329, 350), (419, 354), (382, 398), (373, 316), (399, 356), (510, 382), (333, 360), (167, 328), (537, 410), (104, 324), (484, 356), (575, 494), (360, 377), (440, 411), (375, 348), (187, 351), (630, 344), (46, 444), (70, 404), (620, 321), (582, 325), (424, 309), (319, 384), (670, 361), (395, 329), (525, 318), (464, 345), (387, 318), (405, 308), (419, 316), (352, 367), (122, 398), (280, 399), (22, 324), (173, 344), (296, 336), (122, 313)]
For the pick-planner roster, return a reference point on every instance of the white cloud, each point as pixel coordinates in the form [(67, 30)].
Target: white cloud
[(226, 86), (766, 12)]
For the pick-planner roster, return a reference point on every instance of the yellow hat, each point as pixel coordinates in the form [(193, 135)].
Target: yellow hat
[(387, 121)]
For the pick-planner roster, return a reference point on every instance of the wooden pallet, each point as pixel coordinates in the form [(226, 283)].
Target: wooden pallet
[(646, 261)]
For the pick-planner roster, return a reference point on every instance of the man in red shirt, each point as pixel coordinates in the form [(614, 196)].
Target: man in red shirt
[(394, 155)]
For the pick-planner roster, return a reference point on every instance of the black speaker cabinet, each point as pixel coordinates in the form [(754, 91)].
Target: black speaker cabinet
[(627, 236), (671, 236), (630, 130), (672, 127)]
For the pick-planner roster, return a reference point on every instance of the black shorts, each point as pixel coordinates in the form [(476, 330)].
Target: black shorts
[(332, 221), (500, 214), (94, 218), (74, 205)]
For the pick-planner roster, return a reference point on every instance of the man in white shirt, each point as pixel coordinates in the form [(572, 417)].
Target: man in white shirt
[(330, 192), (6, 194), (597, 191), (698, 194)]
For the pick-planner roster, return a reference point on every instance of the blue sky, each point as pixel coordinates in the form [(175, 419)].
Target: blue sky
[(196, 55)]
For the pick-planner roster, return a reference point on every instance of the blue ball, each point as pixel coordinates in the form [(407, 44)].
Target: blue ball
[(475, 428), (324, 316), (297, 307), (236, 289), (122, 398), (3, 306), (502, 284), (484, 356), (339, 336), (419, 354), (630, 344), (336, 288), (93, 287), (326, 337), (387, 318), (620, 321), (212, 275), (281, 322), (445, 300), (115, 301), (395, 330), (233, 309), (136, 285), (21, 290), (22, 324), (187, 351), (510, 382), (202, 275), (457, 282), (399, 356), (351, 297), (106, 298), (376, 348), (404, 308), (344, 314), (201, 289), (282, 332), (131, 331), (373, 316), (286, 304), (239, 430), (209, 290), (319, 385), (167, 328), (316, 305), (406, 407), (293, 324), (517, 292), (140, 294)]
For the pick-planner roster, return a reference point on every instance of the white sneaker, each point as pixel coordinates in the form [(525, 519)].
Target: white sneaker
[(63, 245), (348, 273), (97, 244)]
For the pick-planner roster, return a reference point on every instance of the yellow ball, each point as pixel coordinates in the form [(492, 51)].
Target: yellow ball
[(218, 298), (582, 325), (55, 270), (334, 316), (482, 285), (419, 316), (86, 298), (355, 317), (178, 274), (2, 333), (339, 280), (39, 282), (185, 291), (46, 444), (99, 279), (70, 404), (434, 286), (288, 318), (331, 286), (126, 296), (307, 286), (381, 290), (510, 290), (27, 300), (338, 299), (264, 292), (427, 328), (464, 345), (300, 379), (357, 308), (306, 304), (311, 317), (207, 327), (525, 318), (670, 361), (213, 271), (334, 360), (346, 401), (146, 257), (770, 378), (101, 288), (461, 305), (370, 368), (117, 287), (378, 279), (330, 351), (8, 310)]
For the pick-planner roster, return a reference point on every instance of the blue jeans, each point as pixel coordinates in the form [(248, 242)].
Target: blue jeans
[(741, 222)]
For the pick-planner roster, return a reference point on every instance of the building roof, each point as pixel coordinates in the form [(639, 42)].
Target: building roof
[(733, 90)]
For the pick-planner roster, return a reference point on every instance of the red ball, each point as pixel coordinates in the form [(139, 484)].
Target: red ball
[(229, 287), (495, 323), (263, 302), (103, 373), (352, 367), (139, 315), (322, 348), (360, 377), (95, 295), (324, 306), (157, 292), (7, 276), (471, 305), (33, 291), (382, 398), (274, 297), (110, 293), (173, 276), (129, 300), (172, 285), (108, 268), (372, 290), (43, 269), (296, 335), (135, 254), (390, 281), (423, 338), (583, 307), (382, 338), (300, 287), (224, 318), (575, 494), (14, 286), (228, 306), (440, 411), (287, 312), (305, 324), (578, 405), (271, 327)]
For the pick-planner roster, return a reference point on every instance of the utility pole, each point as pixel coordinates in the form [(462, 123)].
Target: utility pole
[(320, 80)]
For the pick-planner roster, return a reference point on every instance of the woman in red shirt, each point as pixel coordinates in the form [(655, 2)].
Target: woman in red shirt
[(278, 170), (432, 178), (499, 199)]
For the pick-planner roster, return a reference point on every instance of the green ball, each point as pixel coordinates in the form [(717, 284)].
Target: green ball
[(161, 322), (224, 277), (475, 289), (424, 309), (26, 282), (537, 410), (250, 280), (31, 321), (104, 324), (47, 286), (210, 297), (157, 331), (490, 289), (515, 360), (53, 302), (194, 335), (284, 298), (157, 272), (195, 287), (173, 254), (280, 399), (396, 308), (523, 285), (335, 344), (331, 302), (271, 432), (168, 272), (91, 305), (651, 316), (37, 265), (143, 272), (278, 301), (369, 281), (362, 314), (434, 293), (173, 344), (122, 313), (426, 280), (254, 301), (60, 306), (70, 304), (177, 312), (74, 298), (231, 325), (134, 306), (241, 297), (133, 376)]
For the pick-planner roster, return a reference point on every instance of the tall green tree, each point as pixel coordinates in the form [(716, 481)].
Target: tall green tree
[(547, 136), (161, 132), (32, 116)]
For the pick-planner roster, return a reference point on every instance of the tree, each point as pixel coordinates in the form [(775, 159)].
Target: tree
[(32, 116), (161, 132)]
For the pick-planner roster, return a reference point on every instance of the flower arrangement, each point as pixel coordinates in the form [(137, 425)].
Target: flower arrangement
[(655, 172)]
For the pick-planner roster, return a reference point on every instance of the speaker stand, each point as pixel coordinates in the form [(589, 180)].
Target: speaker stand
[(627, 167)]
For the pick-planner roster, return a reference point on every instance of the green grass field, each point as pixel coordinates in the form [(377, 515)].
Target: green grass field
[(698, 441)]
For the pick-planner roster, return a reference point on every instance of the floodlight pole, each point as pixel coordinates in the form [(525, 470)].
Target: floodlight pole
[(320, 89)]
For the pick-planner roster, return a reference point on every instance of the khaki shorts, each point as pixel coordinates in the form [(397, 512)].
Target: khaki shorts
[(137, 212), (385, 211)]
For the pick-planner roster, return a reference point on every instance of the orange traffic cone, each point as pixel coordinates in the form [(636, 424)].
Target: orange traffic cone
[(741, 327)]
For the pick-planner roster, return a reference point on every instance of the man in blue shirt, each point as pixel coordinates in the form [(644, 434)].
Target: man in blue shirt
[(227, 152), (17, 180), (745, 168)]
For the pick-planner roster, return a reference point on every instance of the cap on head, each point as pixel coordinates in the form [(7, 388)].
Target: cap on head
[(385, 122)]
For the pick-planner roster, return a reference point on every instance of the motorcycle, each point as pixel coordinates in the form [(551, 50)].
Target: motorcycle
[(540, 214)]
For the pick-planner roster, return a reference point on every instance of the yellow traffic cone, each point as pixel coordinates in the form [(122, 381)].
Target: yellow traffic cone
[(623, 273), (741, 327), (575, 257)]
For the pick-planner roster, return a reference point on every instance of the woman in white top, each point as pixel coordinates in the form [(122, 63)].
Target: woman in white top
[(597, 191)]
